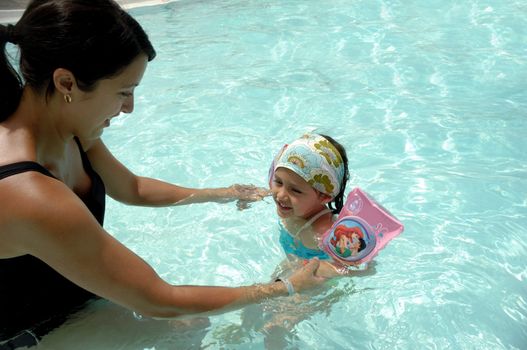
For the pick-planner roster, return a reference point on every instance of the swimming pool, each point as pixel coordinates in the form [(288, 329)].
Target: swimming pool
[(430, 102)]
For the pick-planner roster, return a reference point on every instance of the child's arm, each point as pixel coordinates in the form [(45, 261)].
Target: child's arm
[(329, 270)]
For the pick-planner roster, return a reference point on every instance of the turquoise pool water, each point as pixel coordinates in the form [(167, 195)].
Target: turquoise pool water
[(429, 99)]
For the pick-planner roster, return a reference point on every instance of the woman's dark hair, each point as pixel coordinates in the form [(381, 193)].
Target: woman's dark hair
[(337, 203), (94, 39)]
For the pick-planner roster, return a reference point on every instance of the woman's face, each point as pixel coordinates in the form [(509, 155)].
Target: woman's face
[(111, 96)]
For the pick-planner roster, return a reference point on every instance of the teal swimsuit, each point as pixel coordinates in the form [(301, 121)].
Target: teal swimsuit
[(293, 246)]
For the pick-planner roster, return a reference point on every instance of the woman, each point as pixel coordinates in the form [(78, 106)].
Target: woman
[(80, 62)]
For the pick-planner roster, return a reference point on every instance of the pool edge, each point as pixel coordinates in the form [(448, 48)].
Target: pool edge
[(13, 15)]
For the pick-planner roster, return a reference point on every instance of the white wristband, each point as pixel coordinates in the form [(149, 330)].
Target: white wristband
[(288, 285)]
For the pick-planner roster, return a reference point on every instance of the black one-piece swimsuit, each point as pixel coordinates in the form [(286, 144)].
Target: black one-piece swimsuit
[(33, 296)]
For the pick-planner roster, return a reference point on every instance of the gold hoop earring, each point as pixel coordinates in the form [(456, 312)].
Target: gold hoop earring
[(67, 98)]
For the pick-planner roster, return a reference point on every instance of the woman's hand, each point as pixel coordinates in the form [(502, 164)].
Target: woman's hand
[(246, 194), (306, 276)]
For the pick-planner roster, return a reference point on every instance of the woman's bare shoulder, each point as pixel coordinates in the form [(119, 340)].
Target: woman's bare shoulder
[(35, 206)]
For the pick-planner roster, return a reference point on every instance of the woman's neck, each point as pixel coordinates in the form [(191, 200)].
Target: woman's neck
[(41, 119)]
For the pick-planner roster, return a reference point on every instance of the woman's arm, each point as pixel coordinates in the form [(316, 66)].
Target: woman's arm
[(126, 187), (63, 233)]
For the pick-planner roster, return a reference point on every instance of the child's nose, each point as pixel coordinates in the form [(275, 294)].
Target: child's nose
[(281, 194)]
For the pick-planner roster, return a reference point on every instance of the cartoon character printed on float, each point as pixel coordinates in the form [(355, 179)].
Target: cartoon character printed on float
[(348, 241)]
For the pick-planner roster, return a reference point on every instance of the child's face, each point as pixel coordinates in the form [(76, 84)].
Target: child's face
[(294, 196)]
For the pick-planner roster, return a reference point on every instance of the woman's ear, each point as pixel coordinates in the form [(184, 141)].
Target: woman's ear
[(64, 81)]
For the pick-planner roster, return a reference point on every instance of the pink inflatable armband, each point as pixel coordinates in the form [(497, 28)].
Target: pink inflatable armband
[(363, 227)]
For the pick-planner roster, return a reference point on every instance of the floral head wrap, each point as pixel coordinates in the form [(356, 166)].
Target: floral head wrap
[(314, 159)]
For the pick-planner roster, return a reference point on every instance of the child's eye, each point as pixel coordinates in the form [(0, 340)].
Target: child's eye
[(278, 182), (125, 94), (296, 191)]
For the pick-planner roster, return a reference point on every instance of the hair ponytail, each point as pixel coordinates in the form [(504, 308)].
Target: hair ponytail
[(10, 83)]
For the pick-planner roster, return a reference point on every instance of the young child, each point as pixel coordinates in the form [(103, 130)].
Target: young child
[(307, 181)]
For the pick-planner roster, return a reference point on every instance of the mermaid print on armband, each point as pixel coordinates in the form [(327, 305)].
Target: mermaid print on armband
[(348, 241)]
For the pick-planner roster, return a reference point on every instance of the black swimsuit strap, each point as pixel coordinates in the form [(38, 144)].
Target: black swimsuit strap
[(20, 167), (84, 156), (85, 160), (27, 165)]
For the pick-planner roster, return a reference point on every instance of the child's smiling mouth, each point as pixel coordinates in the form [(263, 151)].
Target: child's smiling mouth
[(283, 208)]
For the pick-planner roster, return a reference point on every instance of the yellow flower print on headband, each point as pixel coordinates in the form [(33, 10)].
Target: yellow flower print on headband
[(328, 151), (323, 180), (314, 159)]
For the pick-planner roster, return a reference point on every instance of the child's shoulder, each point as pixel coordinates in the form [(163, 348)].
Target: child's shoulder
[(323, 224), (318, 227)]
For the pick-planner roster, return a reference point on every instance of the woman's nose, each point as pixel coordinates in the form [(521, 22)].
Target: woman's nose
[(128, 105)]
